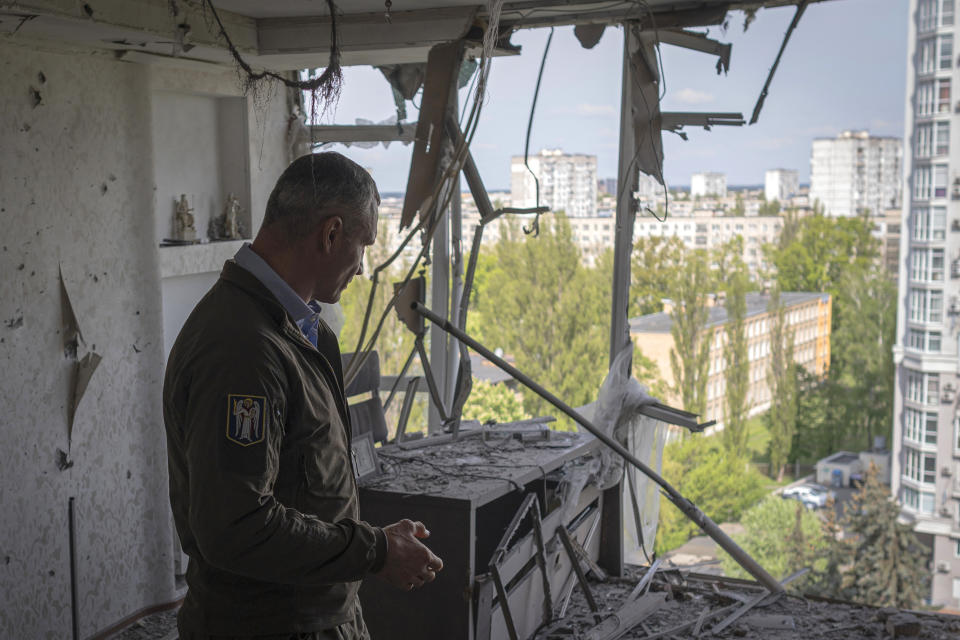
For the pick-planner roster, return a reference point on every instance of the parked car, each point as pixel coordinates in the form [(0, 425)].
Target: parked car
[(811, 495)]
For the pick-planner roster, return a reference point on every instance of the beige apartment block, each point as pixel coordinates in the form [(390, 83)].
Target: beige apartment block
[(709, 232), (808, 318)]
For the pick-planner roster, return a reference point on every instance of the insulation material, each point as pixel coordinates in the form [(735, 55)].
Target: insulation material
[(645, 107), (620, 397), (645, 438)]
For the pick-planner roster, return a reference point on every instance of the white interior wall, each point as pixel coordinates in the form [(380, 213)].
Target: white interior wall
[(77, 189)]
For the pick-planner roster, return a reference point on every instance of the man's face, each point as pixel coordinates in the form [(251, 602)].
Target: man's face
[(345, 260)]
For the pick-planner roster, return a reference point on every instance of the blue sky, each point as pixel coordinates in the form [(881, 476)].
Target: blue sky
[(844, 68)]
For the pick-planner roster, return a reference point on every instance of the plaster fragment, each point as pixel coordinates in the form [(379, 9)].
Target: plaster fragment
[(87, 9), (71, 328), (103, 188), (135, 349), (84, 372), (35, 97), (15, 323), (63, 460), (20, 267), (41, 77)]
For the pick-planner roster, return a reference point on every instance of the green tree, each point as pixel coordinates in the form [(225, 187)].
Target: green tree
[(547, 310), (770, 208), (689, 357), (737, 371), (889, 564), (719, 481), (783, 537), (822, 248), (395, 341), (496, 402), (781, 419), (656, 262), (738, 207), (862, 343)]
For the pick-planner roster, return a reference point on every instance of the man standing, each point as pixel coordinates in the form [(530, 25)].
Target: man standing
[(264, 498)]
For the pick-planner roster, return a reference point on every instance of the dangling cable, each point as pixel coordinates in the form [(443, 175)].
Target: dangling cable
[(535, 227)]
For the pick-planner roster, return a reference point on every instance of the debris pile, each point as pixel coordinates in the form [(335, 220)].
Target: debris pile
[(679, 604)]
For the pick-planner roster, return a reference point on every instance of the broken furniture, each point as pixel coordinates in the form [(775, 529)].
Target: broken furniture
[(468, 494)]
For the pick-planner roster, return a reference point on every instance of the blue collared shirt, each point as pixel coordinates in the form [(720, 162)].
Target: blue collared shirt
[(307, 316)]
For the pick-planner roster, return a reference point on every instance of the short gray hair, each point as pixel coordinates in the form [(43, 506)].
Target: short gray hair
[(317, 186)]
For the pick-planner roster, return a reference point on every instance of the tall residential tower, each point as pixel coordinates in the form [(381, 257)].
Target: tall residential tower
[(925, 470), (855, 172)]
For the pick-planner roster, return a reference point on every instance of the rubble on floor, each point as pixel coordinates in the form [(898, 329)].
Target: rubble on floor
[(679, 604)]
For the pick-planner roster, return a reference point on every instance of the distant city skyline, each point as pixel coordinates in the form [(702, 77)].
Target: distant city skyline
[(825, 83)]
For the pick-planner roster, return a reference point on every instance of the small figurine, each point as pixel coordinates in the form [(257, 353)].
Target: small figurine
[(231, 228), (228, 225), (185, 230)]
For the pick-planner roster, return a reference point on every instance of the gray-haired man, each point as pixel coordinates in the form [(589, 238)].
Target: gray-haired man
[(269, 514)]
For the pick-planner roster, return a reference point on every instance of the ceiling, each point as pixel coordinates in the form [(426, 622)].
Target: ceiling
[(295, 34)]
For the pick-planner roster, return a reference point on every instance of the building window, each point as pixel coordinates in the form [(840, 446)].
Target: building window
[(924, 133), (943, 95), (920, 340), (921, 501), (920, 426), (926, 305), (920, 467), (946, 13), (942, 144), (940, 181), (926, 55), (922, 182), (926, 15), (945, 48), (923, 388), (926, 265), (926, 98), (929, 223)]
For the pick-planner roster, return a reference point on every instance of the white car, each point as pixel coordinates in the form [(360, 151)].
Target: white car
[(813, 496)]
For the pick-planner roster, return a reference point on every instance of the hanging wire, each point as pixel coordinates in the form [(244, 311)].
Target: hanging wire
[(441, 195), (328, 84), (535, 226)]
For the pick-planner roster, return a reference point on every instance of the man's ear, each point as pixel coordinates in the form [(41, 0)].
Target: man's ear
[(329, 232)]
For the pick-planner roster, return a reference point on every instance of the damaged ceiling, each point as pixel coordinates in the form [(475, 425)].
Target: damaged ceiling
[(295, 34)]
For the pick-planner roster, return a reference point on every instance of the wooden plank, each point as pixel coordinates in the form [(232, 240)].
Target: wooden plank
[(627, 617), (443, 65)]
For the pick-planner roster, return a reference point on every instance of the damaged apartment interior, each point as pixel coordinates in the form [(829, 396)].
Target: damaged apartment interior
[(113, 108)]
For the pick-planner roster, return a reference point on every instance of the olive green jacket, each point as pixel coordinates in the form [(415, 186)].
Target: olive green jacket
[(261, 480)]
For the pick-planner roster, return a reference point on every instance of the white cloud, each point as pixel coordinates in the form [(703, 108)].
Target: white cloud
[(692, 96)]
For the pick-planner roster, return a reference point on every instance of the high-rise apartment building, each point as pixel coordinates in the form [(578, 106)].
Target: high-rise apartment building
[(568, 182), (708, 184), (780, 185), (925, 470), (856, 172)]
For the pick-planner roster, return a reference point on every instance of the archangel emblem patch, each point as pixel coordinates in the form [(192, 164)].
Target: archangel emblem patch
[(246, 419)]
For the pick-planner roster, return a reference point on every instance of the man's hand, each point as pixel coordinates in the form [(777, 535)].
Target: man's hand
[(409, 563)]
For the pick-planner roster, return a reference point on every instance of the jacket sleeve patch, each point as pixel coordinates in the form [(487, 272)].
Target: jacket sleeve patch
[(246, 419)]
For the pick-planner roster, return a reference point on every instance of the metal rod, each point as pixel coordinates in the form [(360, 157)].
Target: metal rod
[(688, 508), (577, 569), (72, 533), (431, 382), (396, 383)]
